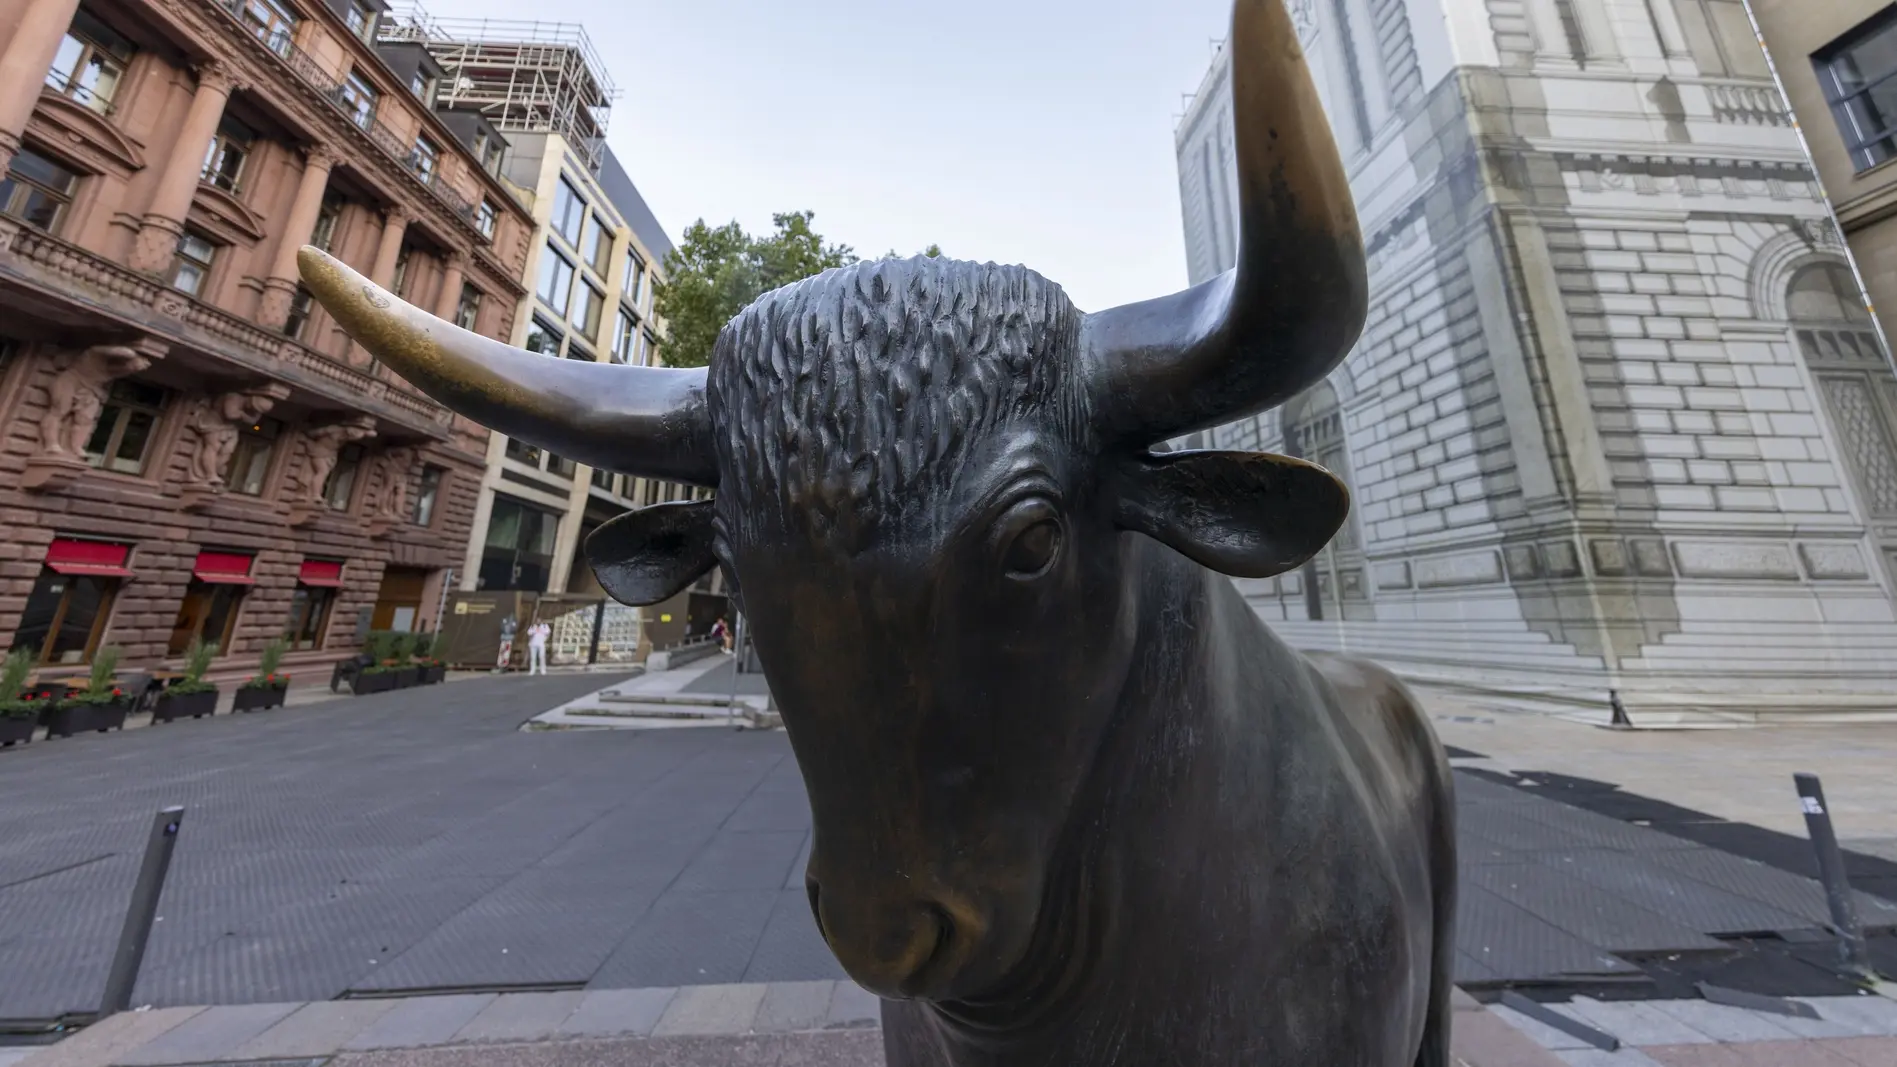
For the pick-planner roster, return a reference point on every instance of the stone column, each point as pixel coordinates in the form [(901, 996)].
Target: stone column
[(178, 182), (24, 61), (454, 274), (386, 252), (274, 310)]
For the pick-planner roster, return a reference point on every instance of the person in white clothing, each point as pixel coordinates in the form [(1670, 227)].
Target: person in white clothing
[(537, 636)]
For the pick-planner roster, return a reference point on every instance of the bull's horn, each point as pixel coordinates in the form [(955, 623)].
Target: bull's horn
[(1289, 312), (648, 421)]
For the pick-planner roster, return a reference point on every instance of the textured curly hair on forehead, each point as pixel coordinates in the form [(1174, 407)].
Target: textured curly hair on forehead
[(841, 397)]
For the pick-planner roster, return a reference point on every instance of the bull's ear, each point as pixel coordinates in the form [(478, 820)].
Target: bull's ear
[(1246, 514), (645, 556)]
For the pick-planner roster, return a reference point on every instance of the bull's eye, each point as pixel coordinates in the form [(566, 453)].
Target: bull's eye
[(1030, 538)]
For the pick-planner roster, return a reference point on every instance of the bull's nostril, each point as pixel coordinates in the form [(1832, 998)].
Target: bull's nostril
[(816, 909)]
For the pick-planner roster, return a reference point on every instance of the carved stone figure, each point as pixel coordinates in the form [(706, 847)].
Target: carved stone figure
[(217, 421), (322, 445), (393, 466), (77, 396), (1073, 802)]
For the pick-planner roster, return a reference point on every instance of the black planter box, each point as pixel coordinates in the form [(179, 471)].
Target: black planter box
[(87, 718), (258, 698), (17, 731), (407, 676), (433, 674), (374, 682), (184, 706)]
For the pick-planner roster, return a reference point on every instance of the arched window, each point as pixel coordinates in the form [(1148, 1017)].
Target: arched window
[(1839, 343)]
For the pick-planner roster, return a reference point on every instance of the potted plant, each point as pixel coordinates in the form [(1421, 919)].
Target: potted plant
[(407, 672), (190, 697), (433, 670), (265, 688), (100, 706), (379, 675), (20, 706)]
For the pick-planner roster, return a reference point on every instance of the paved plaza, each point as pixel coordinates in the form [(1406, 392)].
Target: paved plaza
[(421, 842)]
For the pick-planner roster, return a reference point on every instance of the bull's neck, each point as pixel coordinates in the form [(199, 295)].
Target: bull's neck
[(1164, 725)]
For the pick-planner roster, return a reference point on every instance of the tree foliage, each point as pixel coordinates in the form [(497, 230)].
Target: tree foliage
[(717, 271)]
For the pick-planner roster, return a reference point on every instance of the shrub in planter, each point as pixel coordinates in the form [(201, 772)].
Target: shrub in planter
[(101, 706), (265, 688), (19, 707), (433, 670), (373, 679), (190, 697)]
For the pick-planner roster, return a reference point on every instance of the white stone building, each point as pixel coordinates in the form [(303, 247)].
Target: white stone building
[(1618, 420)]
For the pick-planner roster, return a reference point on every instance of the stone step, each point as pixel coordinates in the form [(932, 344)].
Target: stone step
[(709, 700), (653, 709)]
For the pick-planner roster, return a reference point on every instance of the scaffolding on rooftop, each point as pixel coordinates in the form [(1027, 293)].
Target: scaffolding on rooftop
[(522, 75)]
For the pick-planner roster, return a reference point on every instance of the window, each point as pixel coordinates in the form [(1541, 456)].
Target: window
[(360, 19), (90, 62), (123, 435), (421, 511), (467, 310), (324, 233), (598, 245), (556, 281), (250, 460), (592, 306), (65, 616), (423, 158), (522, 452), (569, 211), (625, 337), (1719, 34), (542, 337), (342, 480), (211, 601), (491, 155), (1859, 76), (648, 347), (309, 615), (358, 99), (271, 22), (36, 190), (517, 552), (484, 218), (423, 87), (634, 285), (302, 305), (399, 284), (224, 162), (192, 263)]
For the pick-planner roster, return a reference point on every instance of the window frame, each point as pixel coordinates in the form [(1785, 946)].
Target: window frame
[(353, 92), (485, 218), (275, 27), (233, 611), (328, 216), (425, 159), (179, 259), (18, 187), (343, 477), (1865, 148), (323, 597), (87, 43), (467, 311), (566, 199), (550, 271), (121, 410), (242, 456), (425, 507), (634, 283), (302, 310), (108, 599), (232, 138), (360, 18), (592, 309), (539, 322)]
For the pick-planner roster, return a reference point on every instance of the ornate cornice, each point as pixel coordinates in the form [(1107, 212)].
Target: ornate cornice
[(83, 136), (226, 217)]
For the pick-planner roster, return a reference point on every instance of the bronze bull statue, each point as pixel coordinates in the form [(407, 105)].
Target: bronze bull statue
[(1074, 804)]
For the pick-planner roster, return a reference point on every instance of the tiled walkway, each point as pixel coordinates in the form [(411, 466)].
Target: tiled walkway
[(833, 1024)]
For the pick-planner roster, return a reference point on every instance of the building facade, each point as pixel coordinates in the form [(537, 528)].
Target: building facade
[(191, 448), (1835, 61), (1618, 426)]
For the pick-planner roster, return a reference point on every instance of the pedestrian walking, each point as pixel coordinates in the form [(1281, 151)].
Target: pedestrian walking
[(721, 633), (506, 654), (537, 637)]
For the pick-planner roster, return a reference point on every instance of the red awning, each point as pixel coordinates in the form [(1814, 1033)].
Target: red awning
[(101, 559), (228, 568), (324, 572)]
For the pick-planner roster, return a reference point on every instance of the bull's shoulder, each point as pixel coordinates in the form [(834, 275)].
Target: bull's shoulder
[(1375, 704)]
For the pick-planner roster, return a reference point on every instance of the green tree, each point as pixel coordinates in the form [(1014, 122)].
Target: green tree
[(715, 273)]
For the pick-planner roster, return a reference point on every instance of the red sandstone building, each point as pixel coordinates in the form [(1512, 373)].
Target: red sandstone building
[(188, 447)]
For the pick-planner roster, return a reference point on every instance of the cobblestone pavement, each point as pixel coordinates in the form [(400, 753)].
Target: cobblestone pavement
[(834, 1024), (420, 842)]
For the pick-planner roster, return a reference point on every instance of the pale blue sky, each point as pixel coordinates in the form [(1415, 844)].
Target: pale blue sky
[(1020, 131)]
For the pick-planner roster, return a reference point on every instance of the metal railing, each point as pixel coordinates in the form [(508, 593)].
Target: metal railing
[(332, 89)]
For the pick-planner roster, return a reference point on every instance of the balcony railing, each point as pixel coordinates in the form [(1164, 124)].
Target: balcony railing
[(331, 88), (72, 264), (1747, 104)]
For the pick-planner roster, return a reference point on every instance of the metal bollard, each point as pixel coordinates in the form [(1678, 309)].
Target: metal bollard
[(1824, 839), (143, 909)]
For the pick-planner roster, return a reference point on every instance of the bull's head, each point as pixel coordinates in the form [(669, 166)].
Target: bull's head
[(929, 476)]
